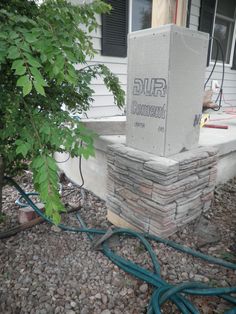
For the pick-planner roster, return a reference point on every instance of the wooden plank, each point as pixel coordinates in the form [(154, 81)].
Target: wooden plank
[(119, 222)]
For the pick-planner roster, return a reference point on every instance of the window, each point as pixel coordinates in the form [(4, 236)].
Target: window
[(141, 14), (115, 29), (144, 14), (153, 13), (224, 28), (217, 17)]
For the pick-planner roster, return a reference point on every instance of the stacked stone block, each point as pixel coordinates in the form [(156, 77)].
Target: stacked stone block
[(158, 194)]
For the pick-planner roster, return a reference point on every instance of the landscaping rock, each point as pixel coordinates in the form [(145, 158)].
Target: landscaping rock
[(48, 272), (207, 233)]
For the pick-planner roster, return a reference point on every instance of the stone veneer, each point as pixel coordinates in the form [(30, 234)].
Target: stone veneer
[(157, 194)]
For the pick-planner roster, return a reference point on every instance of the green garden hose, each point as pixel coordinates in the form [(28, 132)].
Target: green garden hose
[(163, 291)]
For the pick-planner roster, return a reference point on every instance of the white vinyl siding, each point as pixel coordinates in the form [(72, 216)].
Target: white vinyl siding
[(195, 13), (103, 105)]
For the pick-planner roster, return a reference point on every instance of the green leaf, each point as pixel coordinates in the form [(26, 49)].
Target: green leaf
[(43, 58), (26, 47), (72, 72), (51, 163), (22, 81), (32, 61), (2, 56), (70, 55), (70, 79), (86, 153), (38, 162), (55, 70), (3, 35), (27, 88), (45, 129), (39, 88), (13, 35), (42, 176), (17, 63), (43, 189), (13, 52), (23, 148), (59, 63), (30, 37), (38, 76), (20, 70), (56, 217)]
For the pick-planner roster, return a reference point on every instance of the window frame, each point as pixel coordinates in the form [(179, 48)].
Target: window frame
[(188, 8), (230, 64), (130, 16)]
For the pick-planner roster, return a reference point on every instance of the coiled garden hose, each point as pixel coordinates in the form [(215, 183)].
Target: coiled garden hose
[(163, 291)]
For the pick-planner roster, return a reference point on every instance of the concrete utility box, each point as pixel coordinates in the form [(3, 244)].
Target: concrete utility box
[(166, 70)]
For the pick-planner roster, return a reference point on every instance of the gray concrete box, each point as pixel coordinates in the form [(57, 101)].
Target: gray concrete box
[(166, 68)]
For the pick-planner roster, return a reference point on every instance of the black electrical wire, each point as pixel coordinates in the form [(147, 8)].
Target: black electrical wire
[(213, 68), (80, 171), (219, 96), (81, 175), (63, 161)]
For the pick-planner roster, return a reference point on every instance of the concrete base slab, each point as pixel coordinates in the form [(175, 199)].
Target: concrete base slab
[(107, 126), (226, 167), (95, 171)]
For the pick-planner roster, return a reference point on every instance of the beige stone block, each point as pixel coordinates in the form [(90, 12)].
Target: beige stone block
[(207, 161), (183, 174), (128, 163), (204, 173), (127, 194), (199, 183), (164, 200), (195, 191), (161, 179), (163, 232), (139, 179), (144, 190), (162, 165), (162, 220), (132, 219), (118, 149), (155, 208), (134, 154), (185, 204), (175, 186), (190, 157), (211, 150), (207, 197)]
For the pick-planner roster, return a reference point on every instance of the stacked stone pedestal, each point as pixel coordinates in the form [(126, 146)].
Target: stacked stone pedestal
[(157, 194)]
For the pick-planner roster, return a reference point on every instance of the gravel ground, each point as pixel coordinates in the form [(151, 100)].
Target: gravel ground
[(43, 270)]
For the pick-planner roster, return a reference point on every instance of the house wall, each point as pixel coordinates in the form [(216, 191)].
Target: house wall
[(229, 88), (103, 105)]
